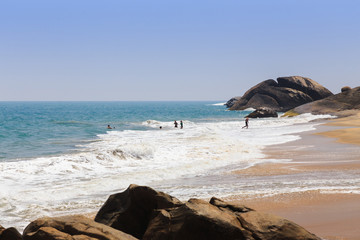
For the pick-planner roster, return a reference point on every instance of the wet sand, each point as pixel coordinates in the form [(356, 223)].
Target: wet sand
[(329, 216), (333, 147)]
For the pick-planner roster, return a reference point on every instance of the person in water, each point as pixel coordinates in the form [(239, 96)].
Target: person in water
[(181, 124), (246, 123), (175, 123), (109, 127)]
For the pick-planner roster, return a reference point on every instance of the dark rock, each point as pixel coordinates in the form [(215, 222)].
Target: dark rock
[(305, 85), (9, 234), (344, 101), (263, 113), (231, 102), (161, 216), (71, 228), (197, 219), (345, 89), (281, 95), (131, 210)]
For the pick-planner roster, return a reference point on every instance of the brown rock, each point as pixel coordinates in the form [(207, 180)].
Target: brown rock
[(263, 112), (345, 89), (195, 219), (269, 227), (283, 95), (305, 85), (71, 228), (131, 210), (198, 219), (9, 234), (336, 104), (231, 102)]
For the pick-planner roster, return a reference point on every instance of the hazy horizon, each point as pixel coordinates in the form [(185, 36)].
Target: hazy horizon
[(172, 50)]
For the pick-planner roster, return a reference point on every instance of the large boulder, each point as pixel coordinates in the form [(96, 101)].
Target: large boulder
[(281, 95), (336, 104), (198, 219), (148, 214), (71, 228), (345, 89), (9, 234), (263, 112), (131, 210)]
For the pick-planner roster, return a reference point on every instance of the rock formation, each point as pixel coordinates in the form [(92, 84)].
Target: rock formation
[(156, 216), (345, 89), (281, 95), (263, 112), (131, 210), (143, 213), (71, 228), (9, 234), (338, 104)]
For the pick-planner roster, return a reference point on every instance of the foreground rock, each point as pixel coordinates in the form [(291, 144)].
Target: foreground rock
[(71, 228), (339, 104), (263, 113), (281, 95), (149, 214), (131, 210), (9, 234)]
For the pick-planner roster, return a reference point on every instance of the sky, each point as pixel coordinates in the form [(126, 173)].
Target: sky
[(171, 50)]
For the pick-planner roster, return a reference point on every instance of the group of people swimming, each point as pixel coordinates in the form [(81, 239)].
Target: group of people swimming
[(176, 124), (182, 125)]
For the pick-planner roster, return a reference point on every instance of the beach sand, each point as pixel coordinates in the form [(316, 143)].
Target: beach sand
[(328, 215)]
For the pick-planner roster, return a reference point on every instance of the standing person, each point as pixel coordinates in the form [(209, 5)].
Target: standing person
[(175, 123), (181, 124), (246, 123)]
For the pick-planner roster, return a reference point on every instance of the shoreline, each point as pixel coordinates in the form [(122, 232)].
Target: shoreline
[(333, 147)]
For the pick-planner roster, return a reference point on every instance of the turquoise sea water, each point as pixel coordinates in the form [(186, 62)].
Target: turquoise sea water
[(33, 129)]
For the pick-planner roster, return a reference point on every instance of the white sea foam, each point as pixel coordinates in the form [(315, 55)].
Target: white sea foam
[(80, 182), (250, 109), (219, 104)]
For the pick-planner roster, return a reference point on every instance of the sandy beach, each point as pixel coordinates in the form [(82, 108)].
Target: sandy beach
[(334, 147)]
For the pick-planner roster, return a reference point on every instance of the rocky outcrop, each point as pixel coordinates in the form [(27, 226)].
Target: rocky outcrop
[(71, 228), (156, 216), (281, 95), (131, 210), (232, 101), (197, 219), (263, 113), (9, 234), (146, 214), (336, 104), (345, 89)]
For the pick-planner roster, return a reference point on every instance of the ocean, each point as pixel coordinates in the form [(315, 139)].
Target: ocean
[(59, 158)]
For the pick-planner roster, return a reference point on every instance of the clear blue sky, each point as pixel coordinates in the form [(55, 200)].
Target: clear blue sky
[(172, 49)]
